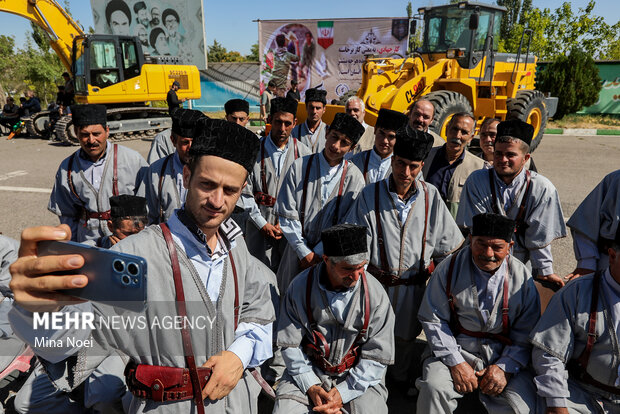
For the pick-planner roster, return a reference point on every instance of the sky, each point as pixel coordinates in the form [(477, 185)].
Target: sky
[(231, 23)]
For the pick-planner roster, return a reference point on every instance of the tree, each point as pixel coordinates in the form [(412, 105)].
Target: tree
[(254, 55), (574, 79), (557, 33)]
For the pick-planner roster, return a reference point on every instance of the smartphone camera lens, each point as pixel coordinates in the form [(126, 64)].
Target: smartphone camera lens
[(119, 266), (126, 280), (133, 269)]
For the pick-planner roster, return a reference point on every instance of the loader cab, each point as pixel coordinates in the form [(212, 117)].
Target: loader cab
[(105, 60), (466, 31)]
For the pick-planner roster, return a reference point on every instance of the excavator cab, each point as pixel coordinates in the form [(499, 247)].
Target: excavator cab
[(466, 33), (105, 60)]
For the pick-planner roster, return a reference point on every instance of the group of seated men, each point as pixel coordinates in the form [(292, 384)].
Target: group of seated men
[(339, 257)]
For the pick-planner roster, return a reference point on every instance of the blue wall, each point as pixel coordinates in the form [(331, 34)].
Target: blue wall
[(215, 95)]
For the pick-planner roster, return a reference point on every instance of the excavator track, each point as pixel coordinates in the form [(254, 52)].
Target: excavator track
[(125, 124), (35, 124)]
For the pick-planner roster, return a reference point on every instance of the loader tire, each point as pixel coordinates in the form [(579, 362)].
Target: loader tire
[(446, 103), (529, 106)]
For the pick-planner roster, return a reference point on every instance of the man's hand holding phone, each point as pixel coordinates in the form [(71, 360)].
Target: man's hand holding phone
[(34, 286)]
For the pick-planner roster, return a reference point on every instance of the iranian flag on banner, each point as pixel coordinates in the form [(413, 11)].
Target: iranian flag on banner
[(326, 33)]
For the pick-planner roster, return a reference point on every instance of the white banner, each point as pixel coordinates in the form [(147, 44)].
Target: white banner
[(165, 27), (327, 54)]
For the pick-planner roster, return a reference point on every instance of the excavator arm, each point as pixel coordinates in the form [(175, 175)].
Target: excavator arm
[(51, 17)]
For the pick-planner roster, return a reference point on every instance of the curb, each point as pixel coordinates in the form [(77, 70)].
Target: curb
[(581, 131)]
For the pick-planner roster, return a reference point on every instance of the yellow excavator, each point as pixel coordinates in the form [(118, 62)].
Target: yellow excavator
[(110, 70), (457, 68)]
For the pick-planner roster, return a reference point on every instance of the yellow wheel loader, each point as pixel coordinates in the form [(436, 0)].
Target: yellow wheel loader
[(110, 70), (457, 68)]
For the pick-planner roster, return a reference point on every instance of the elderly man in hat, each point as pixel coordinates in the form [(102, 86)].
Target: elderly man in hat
[(172, 99), (162, 185), (409, 227), (576, 343), (200, 273), (375, 164), (87, 179), (477, 313), (278, 151), (237, 111), (448, 166), (316, 193), (593, 225), (524, 196), (336, 330), (312, 132)]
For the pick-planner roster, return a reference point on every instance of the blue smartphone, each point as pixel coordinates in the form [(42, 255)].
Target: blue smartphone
[(114, 278)]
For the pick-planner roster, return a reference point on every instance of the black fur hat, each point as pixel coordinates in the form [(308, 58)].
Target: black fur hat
[(493, 225), (225, 140), (126, 205), (84, 115), (412, 144), (316, 95), (517, 129), (184, 121), (392, 120), (237, 105), (348, 125), (283, 105), (344, 240)]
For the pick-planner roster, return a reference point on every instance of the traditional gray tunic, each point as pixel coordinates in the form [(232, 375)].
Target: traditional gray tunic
[(276, 163), (93, 184), (339, 316), (561, 335), (315, 141), (208, 298), (161, 146), (366, 142), (451, 348), (372, 166), (321, 199), (403, 226), (161, 204), (8, 254), (543, 218), (596, 218)]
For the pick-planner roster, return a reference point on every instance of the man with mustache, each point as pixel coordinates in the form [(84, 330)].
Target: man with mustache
[(87, 179), (420, 118), (278, 151), (526, 197), (408, 228), (375, 163), (331, 313), (488, 133), (447, 167), (316, 193), (162, 185), (478, 310)]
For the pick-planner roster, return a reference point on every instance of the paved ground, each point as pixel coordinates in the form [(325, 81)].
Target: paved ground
[(27, 168)]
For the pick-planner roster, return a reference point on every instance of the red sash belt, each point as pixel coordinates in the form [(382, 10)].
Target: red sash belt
[(264, 199), (104, 215), (389, 279), (160, 383)]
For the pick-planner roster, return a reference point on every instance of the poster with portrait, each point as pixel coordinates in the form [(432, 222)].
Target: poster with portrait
[(327, 53), (164, 27)]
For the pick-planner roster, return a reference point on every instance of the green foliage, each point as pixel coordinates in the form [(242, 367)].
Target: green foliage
[(254, 55), (556, 33), (574, 79), (218, 53)]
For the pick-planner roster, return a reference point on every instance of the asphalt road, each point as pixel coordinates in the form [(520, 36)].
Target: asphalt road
[(27, 168)]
